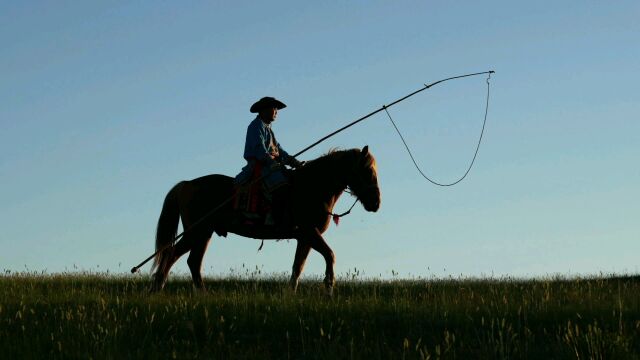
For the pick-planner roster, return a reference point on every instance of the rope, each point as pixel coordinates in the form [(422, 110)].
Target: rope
[(486, 111), (426, 86)]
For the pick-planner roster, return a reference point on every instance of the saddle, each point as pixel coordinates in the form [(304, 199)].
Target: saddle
[(250, 203), (255, 200)]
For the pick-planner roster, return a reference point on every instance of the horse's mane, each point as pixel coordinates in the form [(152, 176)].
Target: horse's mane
[(336, 157), (330, 156), (328, 163)]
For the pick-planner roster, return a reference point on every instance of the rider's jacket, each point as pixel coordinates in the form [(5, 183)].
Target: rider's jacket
[(262, 151)]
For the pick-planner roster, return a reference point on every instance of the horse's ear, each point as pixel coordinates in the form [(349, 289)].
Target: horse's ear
[(365, 151)]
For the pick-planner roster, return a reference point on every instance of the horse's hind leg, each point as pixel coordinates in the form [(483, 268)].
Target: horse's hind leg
[(169, 257), (195, 260), (302, 251)]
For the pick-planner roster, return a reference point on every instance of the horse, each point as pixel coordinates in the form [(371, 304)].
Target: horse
[(314, 190)]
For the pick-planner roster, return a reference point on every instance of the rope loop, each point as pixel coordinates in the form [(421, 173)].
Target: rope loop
[(484, 122)]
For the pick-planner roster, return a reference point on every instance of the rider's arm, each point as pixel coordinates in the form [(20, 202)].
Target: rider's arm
[(284, 156), (288, 159)]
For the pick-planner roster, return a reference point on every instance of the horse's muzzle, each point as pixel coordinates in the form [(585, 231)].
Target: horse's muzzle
[(372, 202)]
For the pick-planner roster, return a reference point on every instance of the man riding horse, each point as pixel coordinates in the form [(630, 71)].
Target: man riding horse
[(266, 160)]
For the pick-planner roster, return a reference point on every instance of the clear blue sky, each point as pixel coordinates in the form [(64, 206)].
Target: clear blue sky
[(105, 105)]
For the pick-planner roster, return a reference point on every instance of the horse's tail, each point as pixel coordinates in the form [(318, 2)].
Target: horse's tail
[(167, 227)]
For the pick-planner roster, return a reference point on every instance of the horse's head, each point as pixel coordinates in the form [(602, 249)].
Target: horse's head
[(363, 180)]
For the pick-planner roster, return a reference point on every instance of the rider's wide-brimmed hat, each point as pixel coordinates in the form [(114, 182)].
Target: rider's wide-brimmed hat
[(267, 102)]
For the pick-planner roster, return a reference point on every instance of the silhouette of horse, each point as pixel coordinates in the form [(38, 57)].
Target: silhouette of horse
[(315, 188)]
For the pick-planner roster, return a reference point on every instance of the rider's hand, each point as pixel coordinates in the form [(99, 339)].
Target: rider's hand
[(276, 166), (295, 163)]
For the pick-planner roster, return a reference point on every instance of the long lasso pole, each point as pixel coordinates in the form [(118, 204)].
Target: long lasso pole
[(426, 86), (384, 107)]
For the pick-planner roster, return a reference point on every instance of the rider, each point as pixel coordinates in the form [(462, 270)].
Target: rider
[(266, 158)]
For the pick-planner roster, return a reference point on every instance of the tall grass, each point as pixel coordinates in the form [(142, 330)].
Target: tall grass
[(97, 316)]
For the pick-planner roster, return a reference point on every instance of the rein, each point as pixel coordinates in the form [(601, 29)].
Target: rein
[(336, 217)]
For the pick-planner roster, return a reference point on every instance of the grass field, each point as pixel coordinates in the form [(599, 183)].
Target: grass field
[(99, 316)]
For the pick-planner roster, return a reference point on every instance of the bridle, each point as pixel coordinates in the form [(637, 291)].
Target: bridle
[(354, 191)]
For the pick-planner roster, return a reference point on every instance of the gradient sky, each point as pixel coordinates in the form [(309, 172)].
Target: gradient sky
[(105, 105)]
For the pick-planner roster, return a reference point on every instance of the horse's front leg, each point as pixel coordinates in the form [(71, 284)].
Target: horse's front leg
[(317, 242), (302, 251)]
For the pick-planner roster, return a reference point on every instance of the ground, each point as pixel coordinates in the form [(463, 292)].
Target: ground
[(101, 316)]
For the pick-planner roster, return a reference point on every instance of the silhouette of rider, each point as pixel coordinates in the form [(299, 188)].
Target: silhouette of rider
[(266, 158)]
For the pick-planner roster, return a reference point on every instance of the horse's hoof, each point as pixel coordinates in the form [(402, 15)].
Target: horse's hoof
[(328, 285), (293, 285), (329, 292), (200, 290)]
